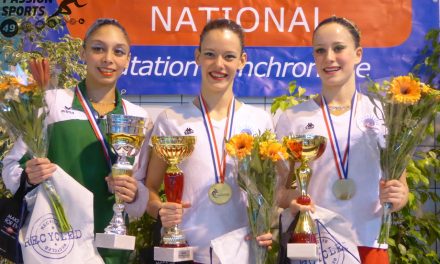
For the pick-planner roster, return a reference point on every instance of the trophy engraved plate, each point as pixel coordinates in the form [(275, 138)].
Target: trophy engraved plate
[(304, 148), (126, 135), (173, 149)]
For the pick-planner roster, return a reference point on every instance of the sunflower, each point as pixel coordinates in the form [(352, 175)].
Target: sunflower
[(405, 90), (273, 151), (240, 146)]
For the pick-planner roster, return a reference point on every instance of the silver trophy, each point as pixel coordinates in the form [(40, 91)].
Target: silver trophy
[(126, 135)]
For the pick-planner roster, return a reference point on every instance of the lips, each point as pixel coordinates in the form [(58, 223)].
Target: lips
[(106, 71), (218, 75), (331, 69)]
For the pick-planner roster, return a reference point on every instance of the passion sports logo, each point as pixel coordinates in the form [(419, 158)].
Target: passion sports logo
[(33, 13)]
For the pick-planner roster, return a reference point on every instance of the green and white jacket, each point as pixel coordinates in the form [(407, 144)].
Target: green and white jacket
[(74, 147)]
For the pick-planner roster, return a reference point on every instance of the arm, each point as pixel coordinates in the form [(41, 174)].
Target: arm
[(395, 192)]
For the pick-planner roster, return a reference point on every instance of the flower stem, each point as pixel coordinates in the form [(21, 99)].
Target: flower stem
[(57, 207)]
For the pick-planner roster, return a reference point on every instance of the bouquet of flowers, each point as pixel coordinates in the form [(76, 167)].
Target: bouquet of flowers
[(23, 111), (406, 107), (256, 157)]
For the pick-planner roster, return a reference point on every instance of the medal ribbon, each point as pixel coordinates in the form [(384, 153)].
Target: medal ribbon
[(341, 163), (219, 166), (95, 127)]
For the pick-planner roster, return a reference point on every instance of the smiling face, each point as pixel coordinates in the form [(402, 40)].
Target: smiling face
[(219, 57), (335, 55), (107, 54)]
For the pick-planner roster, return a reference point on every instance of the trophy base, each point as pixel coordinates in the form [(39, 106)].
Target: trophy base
[(115, 241), (302, 251), (173, 255)]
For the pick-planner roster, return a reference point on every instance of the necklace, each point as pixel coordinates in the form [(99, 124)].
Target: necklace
[(338, 107), (103, 108)]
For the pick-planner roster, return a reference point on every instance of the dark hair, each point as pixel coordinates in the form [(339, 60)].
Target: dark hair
[(348, 24), (223, 24), (103, 22)]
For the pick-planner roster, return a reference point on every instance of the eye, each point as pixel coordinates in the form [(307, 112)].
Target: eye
[(120, 52), (209, 54), (319, 51), (338, 48), (97, 49), (230, 57)]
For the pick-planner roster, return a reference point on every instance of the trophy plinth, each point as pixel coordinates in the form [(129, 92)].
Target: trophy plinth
[(304, 148), (125, 134), (173, 149)]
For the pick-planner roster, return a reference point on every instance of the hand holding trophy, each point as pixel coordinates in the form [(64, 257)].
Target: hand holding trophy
[(173, 149), (126, 135), (304, 148)]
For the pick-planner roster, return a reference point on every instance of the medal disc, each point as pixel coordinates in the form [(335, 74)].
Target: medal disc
[(344, 189), (220, 193)]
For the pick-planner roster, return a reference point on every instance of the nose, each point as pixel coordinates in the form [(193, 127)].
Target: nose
[(219, 61), (108, 56), (330, 55)]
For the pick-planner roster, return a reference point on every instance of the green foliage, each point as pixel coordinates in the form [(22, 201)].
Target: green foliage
[(296, 95), (63, 53), (431, 54)]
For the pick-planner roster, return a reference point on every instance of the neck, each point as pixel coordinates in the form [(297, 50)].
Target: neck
[(338, 96), (217, 104), (102, 94)]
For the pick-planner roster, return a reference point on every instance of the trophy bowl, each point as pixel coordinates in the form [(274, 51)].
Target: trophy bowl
[(173, 149), (126, 135), (304, 148)]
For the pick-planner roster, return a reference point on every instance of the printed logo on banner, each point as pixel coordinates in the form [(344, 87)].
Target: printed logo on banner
[(32, 13), (48, 242)]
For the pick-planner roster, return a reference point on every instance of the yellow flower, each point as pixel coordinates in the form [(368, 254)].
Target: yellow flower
[(240, 145), (32, 87), (405, 90), (273, 151)]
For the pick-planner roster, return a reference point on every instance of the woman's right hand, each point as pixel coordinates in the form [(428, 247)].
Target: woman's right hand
[(296, 207), (38, 170), (171, 213)]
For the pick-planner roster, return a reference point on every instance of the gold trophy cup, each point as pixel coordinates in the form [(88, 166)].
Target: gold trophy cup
[(126, 135), (173, 149), (304, 148)]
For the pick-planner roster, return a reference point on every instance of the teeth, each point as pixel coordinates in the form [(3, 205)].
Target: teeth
[(218, 75), (331, 69), (105, 70)]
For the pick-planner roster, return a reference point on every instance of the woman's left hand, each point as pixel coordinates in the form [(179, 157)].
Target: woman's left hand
[(124, 186), (395, 192), (264, 240)]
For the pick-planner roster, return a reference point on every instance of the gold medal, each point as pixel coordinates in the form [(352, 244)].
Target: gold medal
[(220, 193), (344, 189)]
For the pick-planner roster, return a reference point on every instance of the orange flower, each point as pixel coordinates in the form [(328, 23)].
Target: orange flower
[(32, 87), (273, 150), (294, 147), (405, 90), (240, 145)]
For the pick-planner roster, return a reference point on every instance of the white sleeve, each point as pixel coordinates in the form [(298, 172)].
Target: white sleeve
[(12, 170), (138, 207)]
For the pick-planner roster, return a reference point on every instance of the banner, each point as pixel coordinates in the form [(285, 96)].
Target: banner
[(164, 35)]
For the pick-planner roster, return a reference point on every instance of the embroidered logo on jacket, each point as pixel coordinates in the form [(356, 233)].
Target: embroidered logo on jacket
[(189, 131), (310, 126), (67, 110)]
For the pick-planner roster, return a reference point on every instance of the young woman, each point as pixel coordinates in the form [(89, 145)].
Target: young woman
[(212, 117), (73, 144), (351, 185)]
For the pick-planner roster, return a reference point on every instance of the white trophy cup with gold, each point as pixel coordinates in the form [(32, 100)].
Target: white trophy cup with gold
[(173, 149), (304, 148), (126, 135)]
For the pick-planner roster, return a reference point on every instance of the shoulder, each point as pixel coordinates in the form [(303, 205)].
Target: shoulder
[(179, 112), (135, 110)]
